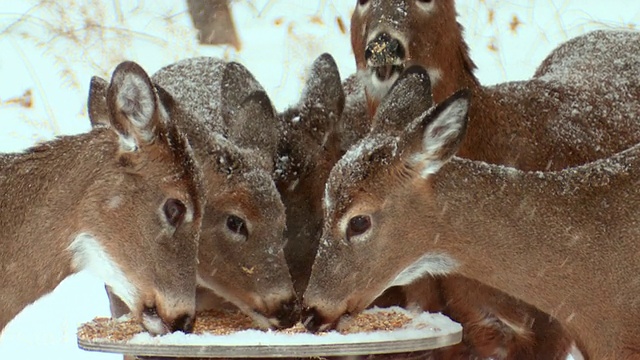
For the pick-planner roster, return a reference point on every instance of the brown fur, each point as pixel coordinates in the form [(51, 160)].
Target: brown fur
[(568, 114), (224, 98), (521, 232), (94, 184), (309, 147), (581, 84)]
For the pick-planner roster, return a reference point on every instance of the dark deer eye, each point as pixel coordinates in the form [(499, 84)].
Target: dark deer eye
[(237, 225), (362, 2), (424, 1), (358, 225), (174, 211)]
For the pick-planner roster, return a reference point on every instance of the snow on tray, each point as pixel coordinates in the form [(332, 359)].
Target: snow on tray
[(421, 325)]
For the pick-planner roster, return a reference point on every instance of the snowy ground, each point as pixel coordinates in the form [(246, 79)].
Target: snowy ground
[(50, 49)]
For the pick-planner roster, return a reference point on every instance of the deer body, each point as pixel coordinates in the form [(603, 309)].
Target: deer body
[(122, 202), (580, 106), (233, 129), (564, 242)]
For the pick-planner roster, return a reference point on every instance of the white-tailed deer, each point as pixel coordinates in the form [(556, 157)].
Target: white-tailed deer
[(309, 147), (121, 201), (580, 106), (495, 325), (399, 205), (233, 129)]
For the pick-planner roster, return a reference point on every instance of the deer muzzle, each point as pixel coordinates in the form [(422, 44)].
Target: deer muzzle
[(287, 314), (315, 321), (385, 55), (160, 325)]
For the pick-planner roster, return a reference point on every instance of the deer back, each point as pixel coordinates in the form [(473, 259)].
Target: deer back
[(241, 254), (118, 201)]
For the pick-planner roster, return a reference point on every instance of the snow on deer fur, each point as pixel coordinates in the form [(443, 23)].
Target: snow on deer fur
[(561, 241), (233, 129), (580, 105), (69, 184)]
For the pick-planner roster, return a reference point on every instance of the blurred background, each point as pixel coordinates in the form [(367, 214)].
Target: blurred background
[(50, 49)]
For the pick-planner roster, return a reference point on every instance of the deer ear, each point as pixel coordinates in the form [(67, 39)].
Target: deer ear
[(408, 98), (133, 106), (237, 84), (323, 98), (255, 124), (97, 102), (444, 130)]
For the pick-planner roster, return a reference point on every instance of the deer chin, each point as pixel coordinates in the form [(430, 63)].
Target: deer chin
[(429, 263), (154, 324), (261, 320), (378, 80), (89, 254)]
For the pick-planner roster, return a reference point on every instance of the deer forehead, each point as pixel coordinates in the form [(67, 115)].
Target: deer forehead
[(360, 165), (394, 13)]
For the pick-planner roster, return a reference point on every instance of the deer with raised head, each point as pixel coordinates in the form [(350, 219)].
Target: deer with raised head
[(580, 106), (399, 205), (233, 130), (127, 199)]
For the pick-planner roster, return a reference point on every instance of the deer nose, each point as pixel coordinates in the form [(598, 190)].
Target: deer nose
[(288, 314), (183, 323), (384, 50), (312, 319)]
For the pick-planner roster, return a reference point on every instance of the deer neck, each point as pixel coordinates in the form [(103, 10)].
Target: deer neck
[(453, 68), (496, 128), (41, 214)]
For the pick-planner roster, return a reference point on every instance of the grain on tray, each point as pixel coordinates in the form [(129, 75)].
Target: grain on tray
[(226, 322), (377, 321)]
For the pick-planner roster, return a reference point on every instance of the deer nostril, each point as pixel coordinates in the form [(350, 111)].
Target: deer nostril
[(183, 323), (150, 311), (368, 52), (396, 48), (384, 50)]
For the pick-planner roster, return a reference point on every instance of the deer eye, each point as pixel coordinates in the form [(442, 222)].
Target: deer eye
[(358, 225), (174, 211), (362, 2), (424, 1), (237, 225)]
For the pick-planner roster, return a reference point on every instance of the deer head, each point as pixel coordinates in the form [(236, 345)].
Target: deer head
[(359, 235), (234, 133), (122, 201), (388, 36), (152, 221), (309, 148)]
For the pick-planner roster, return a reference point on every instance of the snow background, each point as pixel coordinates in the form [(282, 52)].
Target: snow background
[(49, 50)]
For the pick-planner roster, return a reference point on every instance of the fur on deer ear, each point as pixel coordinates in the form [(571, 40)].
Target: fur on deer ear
[(323, 98), (409, 97), (133, 106), (237, 83), (255, 124), (97, 102), (443, 131)]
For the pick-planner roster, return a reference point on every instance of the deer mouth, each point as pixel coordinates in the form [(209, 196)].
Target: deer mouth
[(387, 72), (153, 323)]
